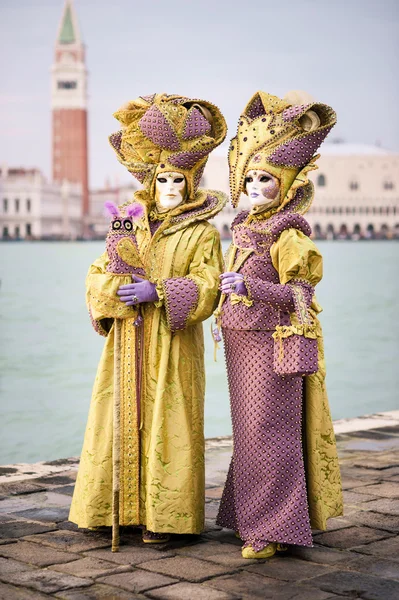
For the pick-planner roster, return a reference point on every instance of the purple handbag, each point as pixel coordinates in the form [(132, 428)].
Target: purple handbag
[(295, 350)]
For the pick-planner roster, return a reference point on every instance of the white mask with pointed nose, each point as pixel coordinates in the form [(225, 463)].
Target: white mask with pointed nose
[(263, 189), (170, 190)]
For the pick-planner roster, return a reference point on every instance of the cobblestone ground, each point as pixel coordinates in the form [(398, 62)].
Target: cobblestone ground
[(42, 555)]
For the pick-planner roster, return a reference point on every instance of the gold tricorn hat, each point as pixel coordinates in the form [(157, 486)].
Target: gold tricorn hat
[(164, 132), (280, 136)]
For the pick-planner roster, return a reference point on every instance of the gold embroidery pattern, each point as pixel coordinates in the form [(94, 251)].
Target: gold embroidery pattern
[(129, 495)]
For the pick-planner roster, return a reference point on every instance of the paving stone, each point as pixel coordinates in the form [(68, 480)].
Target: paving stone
[(356, 498), (8, 470), (4, 518), (190, 591), (10, 592), (225, 536), (209, 548), (36, 554), (8, 565), (289, 569), (321, 555), (69, 526), (15, 488), (37, 500), (336, 523), (138, 581), (350, 537), (375, 520), (91, 567), (18, 529), (385, 506), (51, 515), (214, 493), (66, 489), (98, 591), (385, 490), (358, 585), (55, 480), (46, 580), (211, 509), (128, 555), (70, 540), (375, 566), (235, 561), (8, 541), (388, 548), (350, 483), (187, 568), (250, 586), (210, 525)]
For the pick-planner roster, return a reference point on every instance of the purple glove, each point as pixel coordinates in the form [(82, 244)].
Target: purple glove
[(140, 291), (233, 283)]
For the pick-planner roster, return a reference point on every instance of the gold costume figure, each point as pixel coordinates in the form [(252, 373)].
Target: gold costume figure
[(156, 365)]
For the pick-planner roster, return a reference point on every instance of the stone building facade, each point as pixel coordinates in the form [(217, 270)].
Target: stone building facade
[(33, 208), (356, 192)]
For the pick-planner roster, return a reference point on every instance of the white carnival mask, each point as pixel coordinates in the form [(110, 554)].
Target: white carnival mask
[(263, 189), (170, 190)]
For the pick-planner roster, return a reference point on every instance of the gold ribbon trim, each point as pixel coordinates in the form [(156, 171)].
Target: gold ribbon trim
[(236, 299)]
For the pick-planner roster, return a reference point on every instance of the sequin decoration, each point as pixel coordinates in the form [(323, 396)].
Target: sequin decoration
[(149, 98), (273, 302), (156, 128), (293, 112), (187, 160), (181, 298), (196, 124), (116, 140), (265, 497), (299, 151), (256, 108), (139, 175)]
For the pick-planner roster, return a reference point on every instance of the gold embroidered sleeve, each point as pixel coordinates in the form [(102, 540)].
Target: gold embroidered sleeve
[(192, 298), (102, 300), (295, 256)]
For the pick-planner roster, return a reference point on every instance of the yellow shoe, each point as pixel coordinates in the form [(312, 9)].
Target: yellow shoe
[(267, 552)]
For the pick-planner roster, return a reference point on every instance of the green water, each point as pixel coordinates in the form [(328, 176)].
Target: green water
[(49, 352)]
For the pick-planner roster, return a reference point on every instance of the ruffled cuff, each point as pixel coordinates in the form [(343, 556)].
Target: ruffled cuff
[(161, 294), (101, 326)]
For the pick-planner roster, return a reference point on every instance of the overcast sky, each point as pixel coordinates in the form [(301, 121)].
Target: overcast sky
[(343, 52)]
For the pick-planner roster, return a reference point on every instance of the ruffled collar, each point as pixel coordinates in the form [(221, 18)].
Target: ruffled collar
[(205, 205)]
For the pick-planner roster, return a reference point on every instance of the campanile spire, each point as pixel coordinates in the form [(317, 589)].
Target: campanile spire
[(69, 105)]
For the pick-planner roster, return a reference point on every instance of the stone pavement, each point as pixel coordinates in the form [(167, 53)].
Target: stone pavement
[(42, 555)]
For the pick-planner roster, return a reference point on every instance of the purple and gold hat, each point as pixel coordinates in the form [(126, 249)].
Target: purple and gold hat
[(281, 137), (164, 132)]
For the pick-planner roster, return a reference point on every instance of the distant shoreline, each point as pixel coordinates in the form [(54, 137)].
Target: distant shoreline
[(26, 471)]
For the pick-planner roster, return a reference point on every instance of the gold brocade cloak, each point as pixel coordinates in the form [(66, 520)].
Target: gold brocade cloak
[(162, 452)]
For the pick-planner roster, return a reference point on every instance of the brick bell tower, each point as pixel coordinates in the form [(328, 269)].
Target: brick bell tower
[(69, 107)]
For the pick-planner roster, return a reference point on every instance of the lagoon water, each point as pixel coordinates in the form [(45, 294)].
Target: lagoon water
[(49, 353)]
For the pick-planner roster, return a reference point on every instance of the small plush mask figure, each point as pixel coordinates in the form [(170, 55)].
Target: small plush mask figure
[(263, 189), (121, 247), (170, 190)]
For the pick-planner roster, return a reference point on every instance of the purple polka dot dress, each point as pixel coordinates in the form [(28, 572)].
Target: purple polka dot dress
[(265, 496)]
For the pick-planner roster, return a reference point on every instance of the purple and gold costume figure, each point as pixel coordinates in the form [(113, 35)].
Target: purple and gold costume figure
[(284, 476), (142, 461)]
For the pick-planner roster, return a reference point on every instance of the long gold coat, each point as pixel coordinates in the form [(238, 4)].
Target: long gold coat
[(161, 438)]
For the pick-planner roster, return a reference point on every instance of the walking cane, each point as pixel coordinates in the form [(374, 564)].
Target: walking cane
[(116, 437)]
